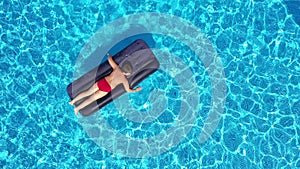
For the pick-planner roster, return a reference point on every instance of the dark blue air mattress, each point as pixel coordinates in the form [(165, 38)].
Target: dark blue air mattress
[(144, 64)]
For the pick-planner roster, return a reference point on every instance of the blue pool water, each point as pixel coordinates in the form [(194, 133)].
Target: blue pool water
[(257, 42)]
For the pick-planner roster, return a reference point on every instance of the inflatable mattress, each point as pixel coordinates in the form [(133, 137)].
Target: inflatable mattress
[(143, 61)]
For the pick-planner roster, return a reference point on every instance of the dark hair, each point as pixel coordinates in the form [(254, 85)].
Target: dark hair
[(126, 67)]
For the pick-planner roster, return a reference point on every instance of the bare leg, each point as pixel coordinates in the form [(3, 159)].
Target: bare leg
[(86, 93), (88, 101)]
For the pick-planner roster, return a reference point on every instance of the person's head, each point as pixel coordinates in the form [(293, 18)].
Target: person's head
[(126, 68)]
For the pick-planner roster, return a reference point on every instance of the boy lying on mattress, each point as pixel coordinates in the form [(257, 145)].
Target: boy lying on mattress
[(106, 84)]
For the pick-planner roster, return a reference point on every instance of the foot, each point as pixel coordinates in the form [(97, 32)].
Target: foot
[(76, 111), (71, 102)]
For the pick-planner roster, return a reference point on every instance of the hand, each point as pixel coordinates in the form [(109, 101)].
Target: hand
[(108, 54), (138, 89)]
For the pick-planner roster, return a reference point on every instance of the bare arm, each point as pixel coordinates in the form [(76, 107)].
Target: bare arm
[(112, 62), (127, 88)]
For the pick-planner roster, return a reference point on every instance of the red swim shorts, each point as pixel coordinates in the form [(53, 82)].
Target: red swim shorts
[(103, 85)]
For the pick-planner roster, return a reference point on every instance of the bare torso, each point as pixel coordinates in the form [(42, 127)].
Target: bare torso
[(115, 78)]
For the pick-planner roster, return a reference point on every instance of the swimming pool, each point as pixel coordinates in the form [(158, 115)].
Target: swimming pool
[(257, 42)]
